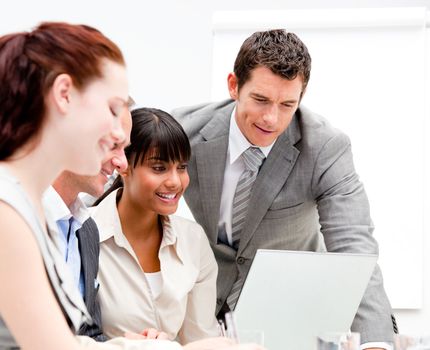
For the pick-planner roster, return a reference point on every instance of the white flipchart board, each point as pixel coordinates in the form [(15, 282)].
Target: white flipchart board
[(369, 79)]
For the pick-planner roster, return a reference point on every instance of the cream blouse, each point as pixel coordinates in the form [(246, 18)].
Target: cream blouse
[(185, 305)]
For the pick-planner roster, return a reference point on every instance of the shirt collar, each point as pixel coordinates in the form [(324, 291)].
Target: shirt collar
[(107, 218), (56, 209), (54, 205), (237, 142), (170, 236), (79, 211)]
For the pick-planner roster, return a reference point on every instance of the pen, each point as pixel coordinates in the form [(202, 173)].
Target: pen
[(231, 326), (221, 328)]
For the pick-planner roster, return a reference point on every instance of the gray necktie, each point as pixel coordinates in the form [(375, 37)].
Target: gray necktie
[(253, 158)]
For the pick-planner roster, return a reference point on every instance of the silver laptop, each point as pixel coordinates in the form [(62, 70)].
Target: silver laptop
[(294, 296)]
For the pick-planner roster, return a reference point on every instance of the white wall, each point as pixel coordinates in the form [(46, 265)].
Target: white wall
[(419, 320), (167, 43), (168, 47)]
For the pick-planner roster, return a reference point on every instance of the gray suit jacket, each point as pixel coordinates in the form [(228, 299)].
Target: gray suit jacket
[(307, 196), (89, 248)]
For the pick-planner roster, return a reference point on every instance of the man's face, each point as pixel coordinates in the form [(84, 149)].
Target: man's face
[(94, 185), (265, 104)]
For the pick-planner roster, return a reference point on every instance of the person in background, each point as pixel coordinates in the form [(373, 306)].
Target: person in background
[(269, 173), (76, 233), (156, 269)]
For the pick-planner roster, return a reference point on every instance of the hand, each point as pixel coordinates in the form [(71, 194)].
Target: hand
[(147, 333), (152, 333), (134, 336)]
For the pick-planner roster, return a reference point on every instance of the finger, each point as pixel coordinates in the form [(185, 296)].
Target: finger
[(152, 333), (146, 331), (163, 336), (135, 336)]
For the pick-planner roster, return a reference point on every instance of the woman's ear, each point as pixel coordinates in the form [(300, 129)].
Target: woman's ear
[(61, 92)]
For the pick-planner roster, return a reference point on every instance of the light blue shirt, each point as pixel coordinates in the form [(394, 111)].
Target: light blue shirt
[(67, 242), (69, 246)]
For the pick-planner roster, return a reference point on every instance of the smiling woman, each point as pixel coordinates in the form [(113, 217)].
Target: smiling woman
[(163, 262), (57, 81)]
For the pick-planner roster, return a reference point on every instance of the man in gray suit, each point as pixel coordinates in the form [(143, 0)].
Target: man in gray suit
[(306, 194)]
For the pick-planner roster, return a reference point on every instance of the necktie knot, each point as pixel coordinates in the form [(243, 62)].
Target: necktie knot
[(253, 157)]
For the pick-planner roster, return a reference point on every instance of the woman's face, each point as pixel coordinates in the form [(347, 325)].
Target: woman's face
[(157, 185), (95, 124)]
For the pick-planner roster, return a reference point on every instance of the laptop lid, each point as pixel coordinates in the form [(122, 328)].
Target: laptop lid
[(293, 295)]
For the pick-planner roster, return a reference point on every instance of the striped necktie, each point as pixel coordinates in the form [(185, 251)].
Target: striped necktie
[(253, 157)]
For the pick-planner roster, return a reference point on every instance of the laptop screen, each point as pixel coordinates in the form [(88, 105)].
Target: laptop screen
[(293, 296)]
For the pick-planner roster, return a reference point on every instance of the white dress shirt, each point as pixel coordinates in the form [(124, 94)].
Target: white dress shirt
[(184, 307), (57, 211), (234, 167), (155, 281)]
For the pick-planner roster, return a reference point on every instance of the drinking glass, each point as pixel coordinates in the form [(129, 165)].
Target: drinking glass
[(338, 341), (411, 342)]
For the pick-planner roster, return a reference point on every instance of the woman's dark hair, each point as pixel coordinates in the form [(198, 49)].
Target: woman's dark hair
[(157, 134), (29, 64)]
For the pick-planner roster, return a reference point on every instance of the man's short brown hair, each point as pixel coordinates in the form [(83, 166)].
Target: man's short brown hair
[(282, 52)]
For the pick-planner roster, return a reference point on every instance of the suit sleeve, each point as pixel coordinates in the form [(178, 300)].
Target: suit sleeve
[(346, 225), (200, 321)]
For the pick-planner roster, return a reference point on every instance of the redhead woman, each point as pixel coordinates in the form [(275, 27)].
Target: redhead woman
[(63, 87)]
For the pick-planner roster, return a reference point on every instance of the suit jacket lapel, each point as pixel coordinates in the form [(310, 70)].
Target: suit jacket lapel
[(271, 178), (210, 161), (88, 248)]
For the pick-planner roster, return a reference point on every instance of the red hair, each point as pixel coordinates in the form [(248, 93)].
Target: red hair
[(29, 64)]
